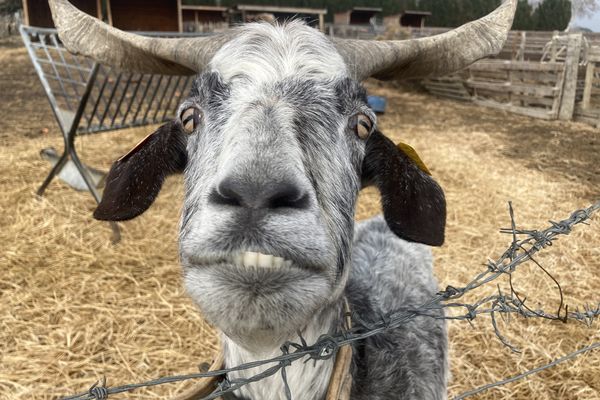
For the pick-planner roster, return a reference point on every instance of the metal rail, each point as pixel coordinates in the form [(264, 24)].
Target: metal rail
[(88, 97)]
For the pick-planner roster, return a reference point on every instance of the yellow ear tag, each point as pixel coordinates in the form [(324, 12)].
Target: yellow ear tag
[(412, 154)]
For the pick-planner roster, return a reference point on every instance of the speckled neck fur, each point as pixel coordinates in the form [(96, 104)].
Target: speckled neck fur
[(307, 381)]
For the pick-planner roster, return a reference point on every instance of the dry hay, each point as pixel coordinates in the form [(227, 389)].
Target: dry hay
[(73, 307)]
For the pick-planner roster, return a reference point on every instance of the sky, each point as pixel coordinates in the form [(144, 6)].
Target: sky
[(592, 22)]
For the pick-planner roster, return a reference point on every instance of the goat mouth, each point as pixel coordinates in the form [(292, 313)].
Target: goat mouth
[(250, 260)]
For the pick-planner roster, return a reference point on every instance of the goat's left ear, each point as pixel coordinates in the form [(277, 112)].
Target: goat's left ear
[(136, 178), (413, 203)]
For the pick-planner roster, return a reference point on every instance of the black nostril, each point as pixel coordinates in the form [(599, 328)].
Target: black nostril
[(287, 195), (268, 195), (225, 194)]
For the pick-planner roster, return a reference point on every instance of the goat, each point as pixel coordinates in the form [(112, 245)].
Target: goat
[(275, 142)]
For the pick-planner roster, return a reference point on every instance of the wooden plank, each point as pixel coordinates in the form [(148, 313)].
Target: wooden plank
[(593, 113), (26, 12), (541, 101), (453, 85), (447, 78), (508, 87), (449, 91), (491, 75), (594, 54), (530, 112), (451, 96), (536, 77), (109, 13), (569, 92), (592, 120), (180, 17), (495, 65), (587, 89)]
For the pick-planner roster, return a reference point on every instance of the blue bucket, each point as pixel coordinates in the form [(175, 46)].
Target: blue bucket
[(377, 103)]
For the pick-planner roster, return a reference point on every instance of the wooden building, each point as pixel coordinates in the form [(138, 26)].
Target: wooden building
[(37, 12), (196, 18), (357, 16), (247, 13), (171, 15), (415, 19), (128, 15), (144, 15)]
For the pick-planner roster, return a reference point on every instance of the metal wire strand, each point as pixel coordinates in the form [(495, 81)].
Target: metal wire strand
[(504, 304)]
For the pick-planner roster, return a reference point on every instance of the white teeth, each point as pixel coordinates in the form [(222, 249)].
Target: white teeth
[(265, 260), (238, 259), (250, 259), (278, 262)]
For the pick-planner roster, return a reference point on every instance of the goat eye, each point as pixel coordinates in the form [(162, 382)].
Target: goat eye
[(362, 125), (190, 119)]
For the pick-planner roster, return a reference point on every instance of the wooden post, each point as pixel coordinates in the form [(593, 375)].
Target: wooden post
[(26, 12), (109, 12), (179, 16), (553, 49), (322, 23), (587, 90), (521, 55), (569, 90)]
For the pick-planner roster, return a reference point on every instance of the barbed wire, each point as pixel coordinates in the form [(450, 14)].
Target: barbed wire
[(554, 363), (326, 347)]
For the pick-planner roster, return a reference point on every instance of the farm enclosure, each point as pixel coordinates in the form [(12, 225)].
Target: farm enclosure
[(74, 307), (549, 75)]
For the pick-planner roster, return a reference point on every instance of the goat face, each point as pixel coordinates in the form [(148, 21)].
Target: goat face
[(275, 151), (278, 175)]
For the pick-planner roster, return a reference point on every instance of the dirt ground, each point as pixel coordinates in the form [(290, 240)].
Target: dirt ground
[(74, 307)]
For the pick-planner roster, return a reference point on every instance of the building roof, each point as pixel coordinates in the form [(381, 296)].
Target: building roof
[(277, 9), (373, 9), (202, 8), (414, 12)]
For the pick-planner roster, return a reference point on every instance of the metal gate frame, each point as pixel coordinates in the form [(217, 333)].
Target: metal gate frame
[(88, 97)]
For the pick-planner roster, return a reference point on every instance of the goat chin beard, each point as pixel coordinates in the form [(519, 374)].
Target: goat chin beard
[(263, 307)]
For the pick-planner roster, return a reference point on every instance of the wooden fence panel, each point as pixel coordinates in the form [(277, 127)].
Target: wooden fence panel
[(528, 88), (588, 109), (523, 87)]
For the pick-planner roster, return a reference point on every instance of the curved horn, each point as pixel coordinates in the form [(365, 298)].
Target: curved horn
[(84, 34), (435, 55)]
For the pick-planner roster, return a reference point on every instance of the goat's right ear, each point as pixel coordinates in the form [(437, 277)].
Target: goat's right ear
[(413, 203), (136, 178)]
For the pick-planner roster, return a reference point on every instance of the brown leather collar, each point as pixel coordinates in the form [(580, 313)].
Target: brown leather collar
[(340, 383)]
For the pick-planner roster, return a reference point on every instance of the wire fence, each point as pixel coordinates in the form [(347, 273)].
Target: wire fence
[(524, 245)]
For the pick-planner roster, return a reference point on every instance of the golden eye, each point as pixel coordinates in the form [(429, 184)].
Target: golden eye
[(190, 119), (362, 125)]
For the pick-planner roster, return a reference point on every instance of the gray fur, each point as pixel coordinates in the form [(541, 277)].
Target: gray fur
[(389, 273), (272, 119)]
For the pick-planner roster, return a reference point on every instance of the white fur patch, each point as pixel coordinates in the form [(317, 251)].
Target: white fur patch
[(263, 53)]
